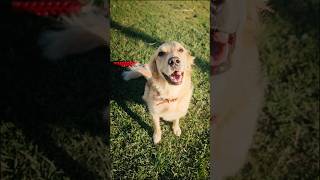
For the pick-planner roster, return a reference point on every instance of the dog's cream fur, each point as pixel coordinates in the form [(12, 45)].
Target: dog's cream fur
[(158, 91), (237, 95)]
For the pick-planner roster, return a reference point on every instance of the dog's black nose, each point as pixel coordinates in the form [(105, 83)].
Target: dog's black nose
[(173, 61)]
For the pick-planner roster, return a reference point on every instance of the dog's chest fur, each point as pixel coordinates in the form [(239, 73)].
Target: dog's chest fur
[(167, 101)]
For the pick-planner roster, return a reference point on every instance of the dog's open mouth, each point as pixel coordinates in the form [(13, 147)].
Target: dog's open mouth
[(223, 44), (175, 78)]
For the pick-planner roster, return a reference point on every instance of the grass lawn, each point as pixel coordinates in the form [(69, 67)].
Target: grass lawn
[(137, 29)]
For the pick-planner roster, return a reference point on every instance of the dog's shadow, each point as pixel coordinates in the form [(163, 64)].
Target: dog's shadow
[(128, 91), (40, 95)]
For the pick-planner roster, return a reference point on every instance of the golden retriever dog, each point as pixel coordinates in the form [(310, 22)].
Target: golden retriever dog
[(169, 88), (237, 83)]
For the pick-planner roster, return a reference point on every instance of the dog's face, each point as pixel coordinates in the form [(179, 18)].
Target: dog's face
[(172, 62), (228, 17)]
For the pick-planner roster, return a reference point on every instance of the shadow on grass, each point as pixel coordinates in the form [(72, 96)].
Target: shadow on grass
[(39, 95), (128, 91), (136, 34), (303, 15), (202, 65)]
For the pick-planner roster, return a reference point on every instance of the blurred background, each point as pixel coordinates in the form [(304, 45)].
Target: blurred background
[(53, 114), (286, 143)]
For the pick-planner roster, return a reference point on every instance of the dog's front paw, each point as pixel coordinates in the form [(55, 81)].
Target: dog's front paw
[(156, 138), (176, 130), (143, 70)]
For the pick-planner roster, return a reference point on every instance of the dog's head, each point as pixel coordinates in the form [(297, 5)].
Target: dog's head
[(171, 62), (227, 16), (229, 19)]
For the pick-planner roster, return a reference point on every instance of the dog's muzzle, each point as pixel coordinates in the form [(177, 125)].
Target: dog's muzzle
[(223, 45), (174, 78)]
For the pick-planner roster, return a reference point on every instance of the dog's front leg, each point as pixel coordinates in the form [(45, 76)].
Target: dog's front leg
[(157, 129), (176, 128)]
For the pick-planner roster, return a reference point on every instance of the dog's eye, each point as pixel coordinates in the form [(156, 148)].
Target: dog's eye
[(180, 50), (161, 53)]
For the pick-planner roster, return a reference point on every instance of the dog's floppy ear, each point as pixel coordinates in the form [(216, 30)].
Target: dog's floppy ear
[(190, 60), (152, 65)]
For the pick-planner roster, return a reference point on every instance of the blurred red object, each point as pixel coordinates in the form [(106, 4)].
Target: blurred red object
[(124, 63), (47, 7)]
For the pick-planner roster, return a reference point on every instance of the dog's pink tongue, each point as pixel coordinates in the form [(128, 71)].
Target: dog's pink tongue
[(177, 75), (220, 47)]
